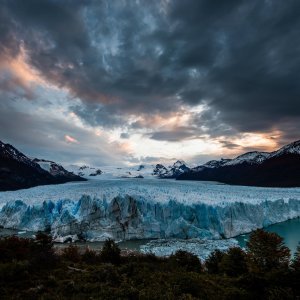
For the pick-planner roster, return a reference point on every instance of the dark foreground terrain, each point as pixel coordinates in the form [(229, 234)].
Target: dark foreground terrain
[(32, 269)]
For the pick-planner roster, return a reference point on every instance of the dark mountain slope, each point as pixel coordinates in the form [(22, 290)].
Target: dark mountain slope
[(17, 171), (277, 169)]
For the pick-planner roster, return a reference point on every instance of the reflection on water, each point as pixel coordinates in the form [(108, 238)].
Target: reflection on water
[(289, 230)]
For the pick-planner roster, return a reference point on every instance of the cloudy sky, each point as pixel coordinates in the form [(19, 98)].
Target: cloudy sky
[(125, 82)]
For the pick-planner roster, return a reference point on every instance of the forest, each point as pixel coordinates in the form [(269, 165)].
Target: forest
[(35, 269)]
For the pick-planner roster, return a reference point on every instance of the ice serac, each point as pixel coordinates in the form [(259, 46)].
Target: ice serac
[(135, 217)]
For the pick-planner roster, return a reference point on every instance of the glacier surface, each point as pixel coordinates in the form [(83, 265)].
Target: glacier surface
[(126, 209)]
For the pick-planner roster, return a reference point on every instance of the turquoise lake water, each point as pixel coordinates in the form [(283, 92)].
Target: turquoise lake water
[(289, 230)]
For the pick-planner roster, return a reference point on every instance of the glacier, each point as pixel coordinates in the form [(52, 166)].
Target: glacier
[(125, 209)]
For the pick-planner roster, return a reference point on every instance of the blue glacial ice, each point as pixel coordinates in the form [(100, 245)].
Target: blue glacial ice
[(146, 209)]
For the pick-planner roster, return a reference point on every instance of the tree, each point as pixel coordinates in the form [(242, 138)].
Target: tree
[(213, 261), (296, 260), (186, 260), (42, 252), (234, 262), (110, 252), (267, 252)]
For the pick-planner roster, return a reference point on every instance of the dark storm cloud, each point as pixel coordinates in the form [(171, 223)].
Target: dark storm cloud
[(230, 145), (178, 134), (124, 135), (241, 58)]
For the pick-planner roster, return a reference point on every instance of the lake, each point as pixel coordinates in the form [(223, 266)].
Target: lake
[(289, 230)]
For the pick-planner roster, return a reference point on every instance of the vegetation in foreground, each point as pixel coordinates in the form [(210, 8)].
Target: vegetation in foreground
[(31, 269)]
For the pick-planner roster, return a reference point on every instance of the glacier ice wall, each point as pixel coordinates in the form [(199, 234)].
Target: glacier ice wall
[(134, 217)]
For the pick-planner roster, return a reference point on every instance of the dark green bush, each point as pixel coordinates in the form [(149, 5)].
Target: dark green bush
[(186, 260), (234, 262), (212, 263)]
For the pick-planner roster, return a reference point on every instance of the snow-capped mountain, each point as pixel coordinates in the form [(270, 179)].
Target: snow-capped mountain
[(279, 168), (7, 151), (19, 171), (292, 148), (253, 157), (160, 170), (55, 169), (216, 163), (139, 171), (178, 168)]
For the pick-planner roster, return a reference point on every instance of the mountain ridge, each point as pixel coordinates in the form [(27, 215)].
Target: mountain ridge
[(280, 168), (18, 171)]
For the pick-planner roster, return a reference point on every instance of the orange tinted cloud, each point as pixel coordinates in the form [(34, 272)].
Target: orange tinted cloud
[(19, 73), (70, 139)]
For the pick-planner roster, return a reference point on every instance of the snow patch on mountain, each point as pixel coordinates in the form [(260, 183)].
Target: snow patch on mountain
[(292, 148), (254, 157), (215, 163)]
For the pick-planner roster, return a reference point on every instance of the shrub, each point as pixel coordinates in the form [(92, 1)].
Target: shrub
[(90, 256), (71, 253), (110, 252), (14, 248), (14, 271)]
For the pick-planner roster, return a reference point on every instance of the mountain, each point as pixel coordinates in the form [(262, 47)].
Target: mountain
[(138, 171), (280, 168), (18, 171), (56, 170), (160, 170), (178, 168)]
